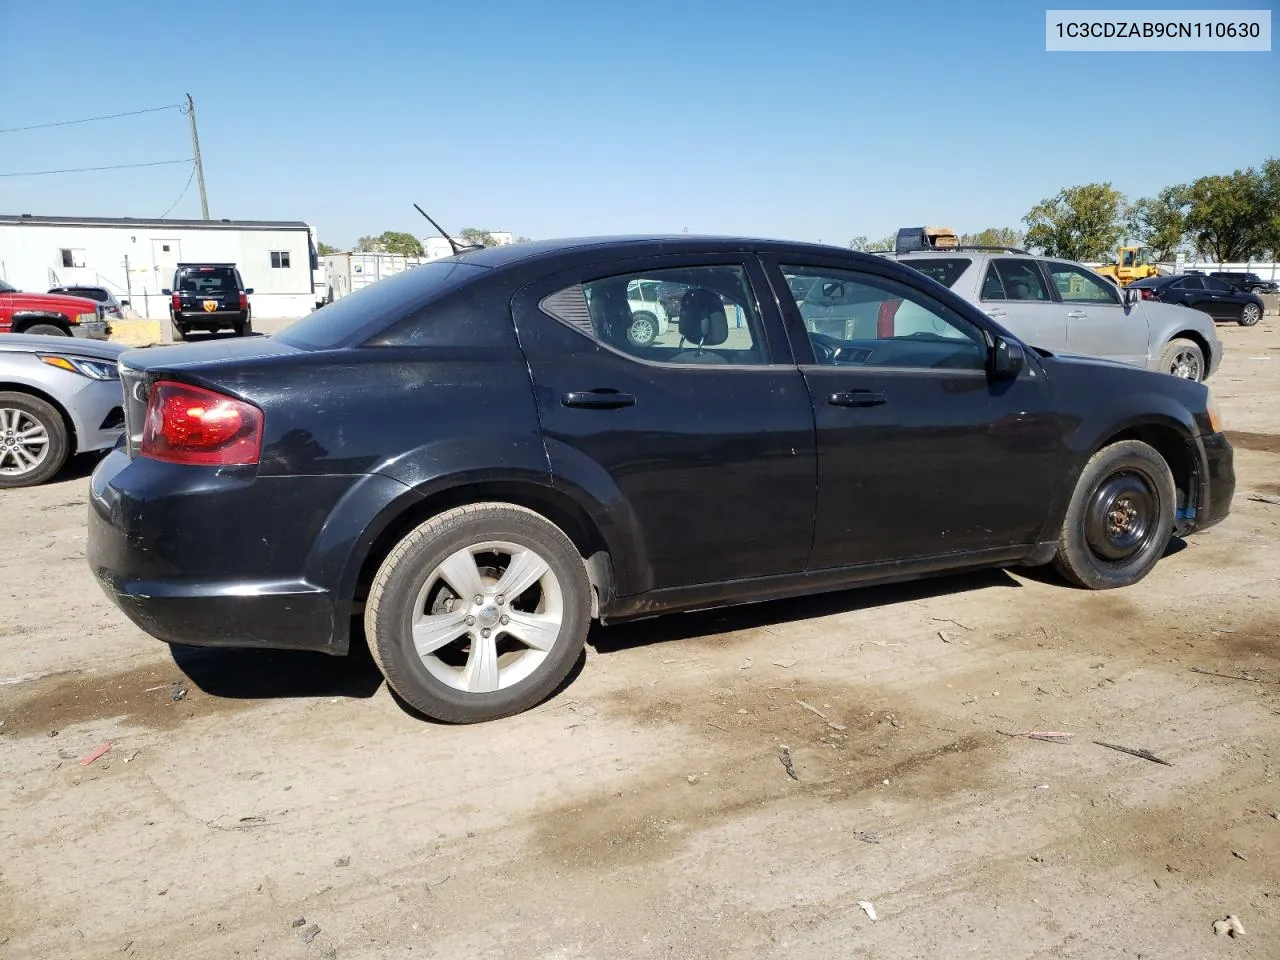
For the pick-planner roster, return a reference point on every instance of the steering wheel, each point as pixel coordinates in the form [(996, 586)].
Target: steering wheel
[(825, 349)]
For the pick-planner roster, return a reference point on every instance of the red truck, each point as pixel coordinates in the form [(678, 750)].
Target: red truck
[(51, 313)]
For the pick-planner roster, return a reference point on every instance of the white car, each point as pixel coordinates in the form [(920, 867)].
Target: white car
[(648, 316)]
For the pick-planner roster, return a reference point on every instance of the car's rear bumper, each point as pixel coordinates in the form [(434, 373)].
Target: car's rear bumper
[(1217, 481), (202, 318)]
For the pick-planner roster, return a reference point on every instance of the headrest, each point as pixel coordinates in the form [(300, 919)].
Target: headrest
[(702, 318)]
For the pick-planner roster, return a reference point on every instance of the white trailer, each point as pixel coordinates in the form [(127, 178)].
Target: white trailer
[(351, 271)]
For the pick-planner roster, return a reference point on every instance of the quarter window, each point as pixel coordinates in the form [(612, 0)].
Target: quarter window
[(945, 270), (690, 315), (1078, 285), (861, 319), (1014, 279), (280, 259)]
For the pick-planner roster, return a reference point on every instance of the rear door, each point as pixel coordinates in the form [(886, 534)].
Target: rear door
[(700, 442), (1012, 291), (1098, 323), (919, 453), (1190, 292), (1225, 301)]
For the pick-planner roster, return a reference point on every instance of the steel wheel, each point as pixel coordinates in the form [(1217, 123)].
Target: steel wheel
[(1121, 516), (487, 617), (24, 443), (1250, 315), (1186, 363)]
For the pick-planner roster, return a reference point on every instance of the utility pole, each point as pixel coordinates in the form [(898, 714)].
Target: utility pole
[(195, 153)]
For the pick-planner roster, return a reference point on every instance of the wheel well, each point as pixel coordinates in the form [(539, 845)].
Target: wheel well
[(1198, 340), (62, 411), (551, 504), (28, 320), (1172, 446)]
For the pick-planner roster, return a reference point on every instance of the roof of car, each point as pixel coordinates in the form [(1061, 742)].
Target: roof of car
[(537, 249)]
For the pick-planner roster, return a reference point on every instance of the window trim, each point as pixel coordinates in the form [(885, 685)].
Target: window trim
[(802, 347), (631, 267), (280, 259)]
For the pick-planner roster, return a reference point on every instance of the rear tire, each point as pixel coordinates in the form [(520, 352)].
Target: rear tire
[(244, 329), (1183, 358), (179, 334), (1250, 315), (30, 419), (479, 661), (46, 330), (1120, 518)]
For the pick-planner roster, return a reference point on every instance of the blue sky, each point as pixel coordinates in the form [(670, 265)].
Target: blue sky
[(809, 120)]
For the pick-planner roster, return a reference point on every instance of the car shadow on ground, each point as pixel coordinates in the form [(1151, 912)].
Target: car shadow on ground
[(252, 674), (78, 467)]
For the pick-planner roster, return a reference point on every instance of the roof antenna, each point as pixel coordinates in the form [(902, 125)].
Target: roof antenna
[(453, 244)]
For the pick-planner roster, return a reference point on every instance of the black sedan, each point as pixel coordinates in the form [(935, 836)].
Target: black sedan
[(1217, 298), (472, 460)]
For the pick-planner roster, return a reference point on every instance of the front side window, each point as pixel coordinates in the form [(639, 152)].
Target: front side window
[(685, 315), (1021, 279), (1078, 285), (280, 259), (861, 319)]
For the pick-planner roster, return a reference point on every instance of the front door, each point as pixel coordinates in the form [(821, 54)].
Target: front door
[(1098, 323), (165, 257), (919, 453), (701, 439)]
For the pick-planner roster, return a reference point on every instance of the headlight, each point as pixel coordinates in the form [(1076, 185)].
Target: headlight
[(87, 317), (93, 369)]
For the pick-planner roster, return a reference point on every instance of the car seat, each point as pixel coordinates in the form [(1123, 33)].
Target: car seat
[(704, 324)]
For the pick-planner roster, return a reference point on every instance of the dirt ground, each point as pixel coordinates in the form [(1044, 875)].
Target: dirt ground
[(287, 807)]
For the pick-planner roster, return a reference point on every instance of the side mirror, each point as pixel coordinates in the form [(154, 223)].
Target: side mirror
[(167, 292), (248, 291), (1008, 359)]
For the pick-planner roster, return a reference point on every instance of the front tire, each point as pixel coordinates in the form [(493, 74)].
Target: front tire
[(1183, 358), (1250, 315), (479, 613), (34, 443), (1120, 518), (643, 330)]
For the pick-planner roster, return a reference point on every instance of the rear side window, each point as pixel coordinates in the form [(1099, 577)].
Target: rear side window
[(1190, 283), (207, 280), (945, 270), (402, 300), (1018, 279)]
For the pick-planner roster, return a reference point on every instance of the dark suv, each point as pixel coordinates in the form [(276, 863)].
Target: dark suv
[(210, 297), (1248, 282)]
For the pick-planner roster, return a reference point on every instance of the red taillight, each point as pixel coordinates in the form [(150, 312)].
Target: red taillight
[(244, 301), (177, 301), (1147, 293), (186, 424)]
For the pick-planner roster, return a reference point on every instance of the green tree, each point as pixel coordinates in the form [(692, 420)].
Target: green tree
[(992, 237), (391, 241), (522, 239), (1271, 207), (862, 243), (1080, 223), (481, 237), (324, 249), (1160, 222), (1227, 215)]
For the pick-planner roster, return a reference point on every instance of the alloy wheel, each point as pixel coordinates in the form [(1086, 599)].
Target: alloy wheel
[(24, 442), (487, 616), (1250, 314), (1185, 364)]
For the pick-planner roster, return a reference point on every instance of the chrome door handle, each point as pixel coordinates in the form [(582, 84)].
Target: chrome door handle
[(995, 314), (1076, 314)]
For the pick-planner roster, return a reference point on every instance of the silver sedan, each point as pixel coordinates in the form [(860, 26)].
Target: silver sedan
[(58, 397)]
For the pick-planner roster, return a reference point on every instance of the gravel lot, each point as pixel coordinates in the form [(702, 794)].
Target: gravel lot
[(287, 807)]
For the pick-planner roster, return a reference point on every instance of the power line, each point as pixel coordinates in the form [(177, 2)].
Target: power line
[(117, 166), (110, 116), (181, 195)]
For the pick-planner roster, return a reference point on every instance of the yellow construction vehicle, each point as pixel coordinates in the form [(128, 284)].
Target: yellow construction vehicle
[(1131, 264)]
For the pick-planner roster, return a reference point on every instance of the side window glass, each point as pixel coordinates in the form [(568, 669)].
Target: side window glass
[(1218, 286), (686, 315), (1077, 285), (992, 288), (1021, 279), (860, 319)]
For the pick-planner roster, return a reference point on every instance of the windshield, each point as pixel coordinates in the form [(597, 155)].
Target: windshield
[(359, 315)]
